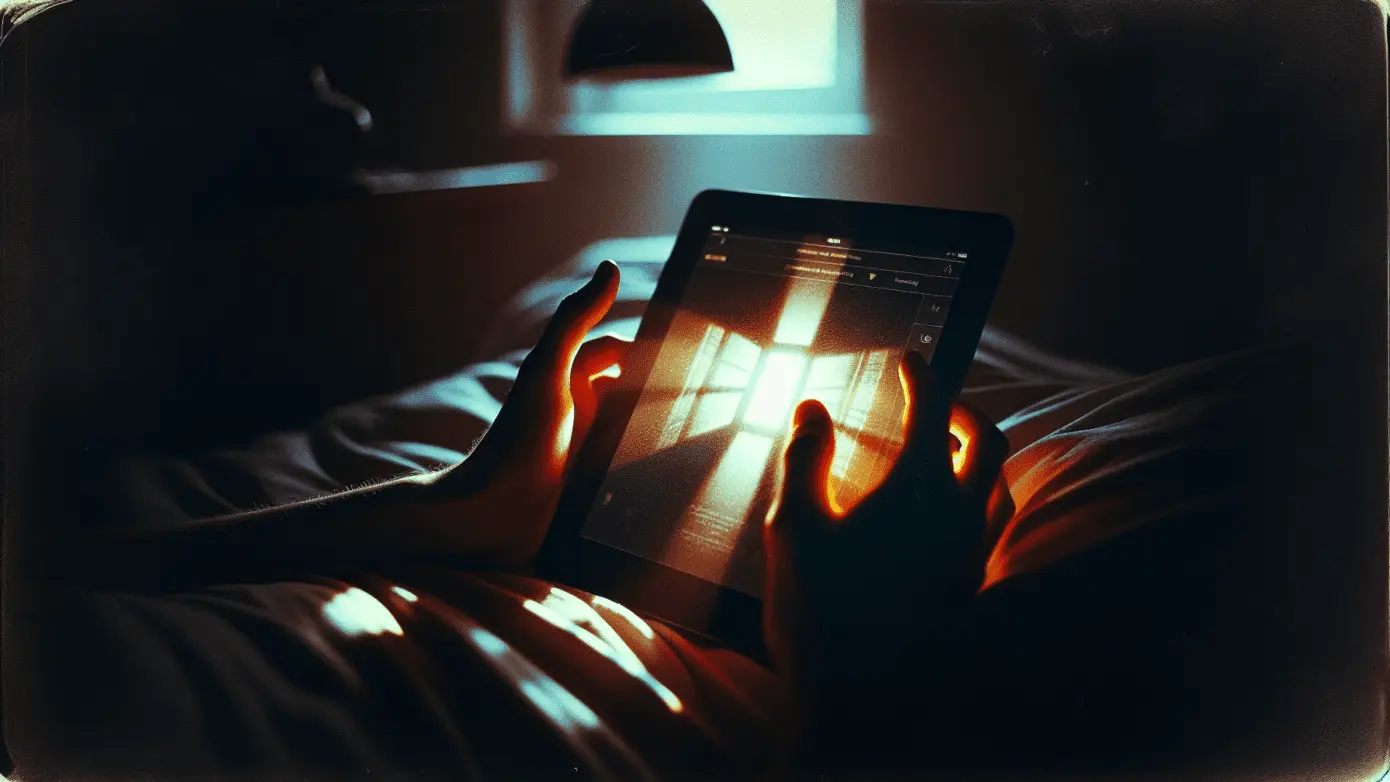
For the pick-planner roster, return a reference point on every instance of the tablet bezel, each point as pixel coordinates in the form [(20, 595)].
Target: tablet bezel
[(677, 598)]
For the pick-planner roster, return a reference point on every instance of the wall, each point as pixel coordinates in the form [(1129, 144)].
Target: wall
[(1170, 176), (1134, 151)]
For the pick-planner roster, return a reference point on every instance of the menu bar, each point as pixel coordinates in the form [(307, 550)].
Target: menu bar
[(735, 245)]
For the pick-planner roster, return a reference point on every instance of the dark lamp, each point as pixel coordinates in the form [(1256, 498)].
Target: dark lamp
[(626, 40)]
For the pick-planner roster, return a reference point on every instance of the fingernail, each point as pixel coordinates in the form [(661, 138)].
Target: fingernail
[(605, 271)]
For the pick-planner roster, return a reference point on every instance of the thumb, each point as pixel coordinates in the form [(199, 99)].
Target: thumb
[(806, 464)]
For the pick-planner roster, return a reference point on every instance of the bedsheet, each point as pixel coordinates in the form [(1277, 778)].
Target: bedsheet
[(399, 674)]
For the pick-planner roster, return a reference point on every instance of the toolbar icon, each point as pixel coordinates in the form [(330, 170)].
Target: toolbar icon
[(872, 275)]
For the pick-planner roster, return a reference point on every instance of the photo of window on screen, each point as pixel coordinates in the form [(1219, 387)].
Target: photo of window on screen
[(765, 322)]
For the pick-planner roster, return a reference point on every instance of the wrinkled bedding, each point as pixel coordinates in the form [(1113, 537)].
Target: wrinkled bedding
[(500, 676)]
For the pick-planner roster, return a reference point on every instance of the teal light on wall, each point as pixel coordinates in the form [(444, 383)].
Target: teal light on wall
[(625, 40)]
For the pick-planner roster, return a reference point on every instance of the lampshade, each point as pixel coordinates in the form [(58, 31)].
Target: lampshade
[(622, 40)]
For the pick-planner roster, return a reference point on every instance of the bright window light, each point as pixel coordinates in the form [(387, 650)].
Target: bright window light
[(713, 411), (776, 391)]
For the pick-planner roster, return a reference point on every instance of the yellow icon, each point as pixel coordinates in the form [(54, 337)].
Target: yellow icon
[(872, 275)]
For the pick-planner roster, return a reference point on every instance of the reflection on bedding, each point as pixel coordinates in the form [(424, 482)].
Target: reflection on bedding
[(555, 701), (626, 613), (593, 744), (579, 619), (355, 612)]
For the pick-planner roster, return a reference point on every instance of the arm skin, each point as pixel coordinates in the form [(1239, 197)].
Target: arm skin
[(493, 509)]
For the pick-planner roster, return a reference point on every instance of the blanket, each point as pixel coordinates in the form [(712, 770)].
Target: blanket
[(398, 674)]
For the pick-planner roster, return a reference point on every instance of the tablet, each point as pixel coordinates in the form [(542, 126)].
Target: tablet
[(765, 301)]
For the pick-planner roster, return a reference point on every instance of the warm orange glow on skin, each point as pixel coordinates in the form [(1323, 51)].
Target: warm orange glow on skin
[(560, 451), (958, 456), (836, 512), (613, 371), (831, 506)]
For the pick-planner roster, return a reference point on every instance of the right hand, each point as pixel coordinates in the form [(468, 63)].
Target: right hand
[(857, 598)]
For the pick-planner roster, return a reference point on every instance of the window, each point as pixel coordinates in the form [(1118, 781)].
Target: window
[(797, 71)]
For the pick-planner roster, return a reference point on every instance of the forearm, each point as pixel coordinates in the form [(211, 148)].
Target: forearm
[(345, 528)]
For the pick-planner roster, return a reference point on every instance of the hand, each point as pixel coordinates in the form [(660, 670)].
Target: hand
[(857, 598), (498, 503)]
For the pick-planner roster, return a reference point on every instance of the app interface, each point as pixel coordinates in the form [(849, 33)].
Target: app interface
[(765, 322)]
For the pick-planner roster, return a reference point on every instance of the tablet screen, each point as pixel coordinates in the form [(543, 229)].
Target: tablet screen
[(764, 322)]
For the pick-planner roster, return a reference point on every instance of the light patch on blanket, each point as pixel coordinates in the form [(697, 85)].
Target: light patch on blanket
[(355, 612), (626, 613), (579, 619), (565, 710)]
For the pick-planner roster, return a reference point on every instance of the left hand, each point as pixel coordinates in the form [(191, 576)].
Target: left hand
[(498, 503), (857, 598)]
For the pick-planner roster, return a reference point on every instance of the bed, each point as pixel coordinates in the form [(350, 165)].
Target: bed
[(1195, 575), (298, 675)]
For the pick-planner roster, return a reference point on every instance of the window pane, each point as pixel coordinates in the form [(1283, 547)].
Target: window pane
[(727, 378), (830, 372), (845, 445), (694, 379), (862, 400), (741, 352), (777, 44), (713, 411)]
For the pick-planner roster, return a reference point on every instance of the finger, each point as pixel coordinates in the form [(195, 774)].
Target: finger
[(597, 360), (587, 402), (579, 313), (926, 416), (537, 410), (602, 386), (804, 496), (983, 449), (599, 356), (596, 369)]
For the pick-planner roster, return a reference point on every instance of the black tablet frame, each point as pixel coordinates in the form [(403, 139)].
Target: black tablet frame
[(698, 606)]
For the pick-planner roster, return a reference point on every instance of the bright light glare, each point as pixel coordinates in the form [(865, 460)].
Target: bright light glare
[(776, 391), (613, 371)]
